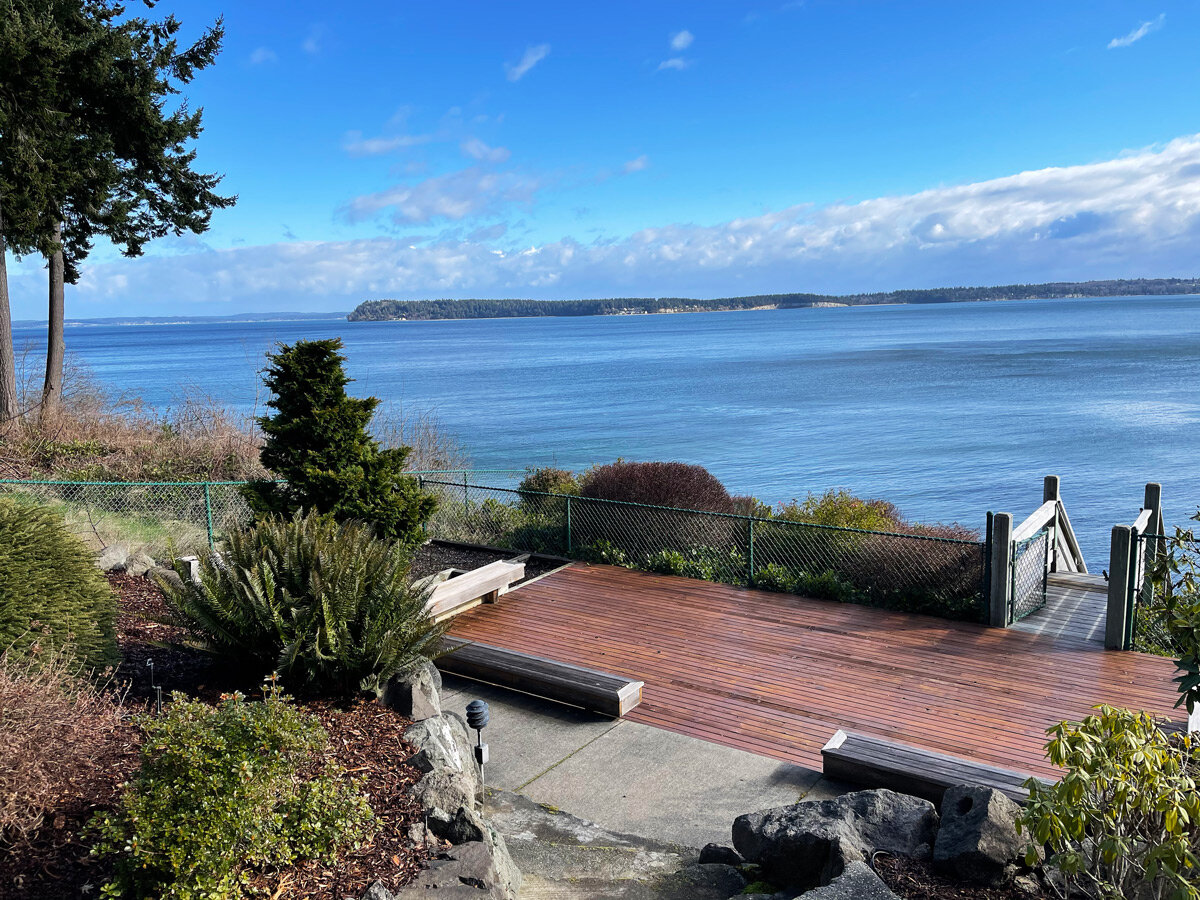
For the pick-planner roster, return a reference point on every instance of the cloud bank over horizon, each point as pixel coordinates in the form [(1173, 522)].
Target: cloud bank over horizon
[(1135, 215)]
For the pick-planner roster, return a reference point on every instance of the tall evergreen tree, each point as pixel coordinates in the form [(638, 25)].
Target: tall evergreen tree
[(317, 443), (94, 148)]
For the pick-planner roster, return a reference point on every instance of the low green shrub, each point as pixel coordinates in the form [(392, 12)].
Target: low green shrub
[(51, 593), (704, 563), (548, 480), (326, 604), (222, 791), (1124, 820), (674, 484), (605, 553), (841, 509)]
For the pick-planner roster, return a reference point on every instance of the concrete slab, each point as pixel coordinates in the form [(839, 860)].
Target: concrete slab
[(526, 735), (640, 779)]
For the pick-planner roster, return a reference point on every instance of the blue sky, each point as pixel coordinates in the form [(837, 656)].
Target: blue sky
[(699, 149)]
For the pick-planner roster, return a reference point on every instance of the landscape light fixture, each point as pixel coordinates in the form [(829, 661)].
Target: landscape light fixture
[(477, 718), (157, 688)]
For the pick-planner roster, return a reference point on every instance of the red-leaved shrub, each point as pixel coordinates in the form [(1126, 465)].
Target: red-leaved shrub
[(675, 484)]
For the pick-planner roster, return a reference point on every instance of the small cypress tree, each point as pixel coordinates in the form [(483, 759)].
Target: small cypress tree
[(317, 443)]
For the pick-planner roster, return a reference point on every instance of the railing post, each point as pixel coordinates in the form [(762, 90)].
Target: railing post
[(212, 545), (1001, 574), (750, 551), (568, 524), (1050, 488), (1119, 558)]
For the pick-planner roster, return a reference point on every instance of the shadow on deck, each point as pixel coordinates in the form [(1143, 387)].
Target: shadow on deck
[(777, 674)]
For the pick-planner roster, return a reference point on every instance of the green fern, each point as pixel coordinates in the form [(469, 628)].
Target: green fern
[(326, 604)]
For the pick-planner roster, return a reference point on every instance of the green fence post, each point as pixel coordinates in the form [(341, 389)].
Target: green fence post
[(568, 525), (750, 552), (212, 545)]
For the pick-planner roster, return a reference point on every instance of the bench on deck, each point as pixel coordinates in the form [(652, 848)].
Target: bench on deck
[(466, 591), (879, 763), (611, 695)]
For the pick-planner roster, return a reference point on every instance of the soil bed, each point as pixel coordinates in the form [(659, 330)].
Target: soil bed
[(911, 879), (436, 556), (364, 738)]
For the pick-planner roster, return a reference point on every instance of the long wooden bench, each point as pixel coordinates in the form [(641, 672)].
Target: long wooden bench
[(875, 762), (611, 695), (466, 591)]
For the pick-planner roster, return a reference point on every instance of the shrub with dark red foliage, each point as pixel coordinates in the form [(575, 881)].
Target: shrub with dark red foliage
[(675, 484)]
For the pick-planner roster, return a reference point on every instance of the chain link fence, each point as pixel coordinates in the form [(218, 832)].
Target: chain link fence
[(1031, 562), (1150, 574), (937, 576), (149, 517)]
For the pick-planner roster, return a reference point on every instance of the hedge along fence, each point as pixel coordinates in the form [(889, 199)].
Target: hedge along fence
[(912, 573), (151, 516)]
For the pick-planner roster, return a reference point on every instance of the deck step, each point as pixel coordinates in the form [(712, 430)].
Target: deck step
[(611, 695), (878, 763)]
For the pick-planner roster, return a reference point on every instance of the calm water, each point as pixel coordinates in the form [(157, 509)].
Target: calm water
[(947, 410)]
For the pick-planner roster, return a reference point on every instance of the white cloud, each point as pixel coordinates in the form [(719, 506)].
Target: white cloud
[(636, 165), (357, 145), (263, 55), (457, 195), (681, 40), (1138, 214), (677, 63), (477, 149), (1138, 33), (312, 44), (533, 56)]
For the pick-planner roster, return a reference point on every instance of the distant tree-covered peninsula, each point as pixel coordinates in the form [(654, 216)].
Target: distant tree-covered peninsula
[(385, 310)]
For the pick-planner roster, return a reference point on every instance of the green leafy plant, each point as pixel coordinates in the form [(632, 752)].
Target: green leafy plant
[(605, 553), (547, 480), (326, 604), (51, 593), (842, 509), (222, 791), (318, 444), (1124, 820), (1170, 623)]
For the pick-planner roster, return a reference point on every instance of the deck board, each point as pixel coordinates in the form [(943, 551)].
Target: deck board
[(1075, 611), (778, 674)]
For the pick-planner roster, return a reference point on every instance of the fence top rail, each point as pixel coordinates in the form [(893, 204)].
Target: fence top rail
[(1038, 519), (1142, 522), (699, 512), (25, 481)]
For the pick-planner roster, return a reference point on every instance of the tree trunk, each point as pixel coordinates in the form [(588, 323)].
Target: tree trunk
[(55, 341), (9, 413)]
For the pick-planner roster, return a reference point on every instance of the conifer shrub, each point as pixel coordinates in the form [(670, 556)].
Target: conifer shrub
[(318, 446), (326, 604), (222, 791), (51, 593)]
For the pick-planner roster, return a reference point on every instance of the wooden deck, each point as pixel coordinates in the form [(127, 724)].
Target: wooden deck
[(778, 675), (1075, 611)]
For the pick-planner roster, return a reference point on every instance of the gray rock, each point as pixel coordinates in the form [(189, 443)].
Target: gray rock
[(711, 881), (810, 843), (444, 789), (443, 744), (462, 826), (415, 695), (507, 873), (164, 575), (858, 882), (113, 558), (139, 564), (467, 871), (717, 853), (978, 834), (377, 892)]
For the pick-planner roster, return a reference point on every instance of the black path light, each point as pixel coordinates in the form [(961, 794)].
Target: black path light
[(477, 718)]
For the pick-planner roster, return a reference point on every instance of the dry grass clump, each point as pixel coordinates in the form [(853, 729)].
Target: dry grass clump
[(55, 729), (431, 446)]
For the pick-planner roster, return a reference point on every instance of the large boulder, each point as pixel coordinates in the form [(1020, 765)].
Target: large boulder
[(415, 695), (113, 558), (139, 564), (978, 834), (468, 871), (857, 882), (719, 853), (444, 744), (808, 844)]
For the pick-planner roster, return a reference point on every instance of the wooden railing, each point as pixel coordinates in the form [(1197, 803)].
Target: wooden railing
[(1009, 574), (1129, 559)]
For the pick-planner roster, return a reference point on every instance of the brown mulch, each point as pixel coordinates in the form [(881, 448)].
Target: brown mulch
[(912, 879), (365, 738)]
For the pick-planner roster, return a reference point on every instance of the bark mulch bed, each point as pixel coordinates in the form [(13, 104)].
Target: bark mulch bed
[(364, 737), (436, 556), (911, 879)]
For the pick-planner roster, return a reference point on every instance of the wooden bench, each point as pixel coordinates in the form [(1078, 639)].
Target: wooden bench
[(611, 695), (466, 591), (876, 762)]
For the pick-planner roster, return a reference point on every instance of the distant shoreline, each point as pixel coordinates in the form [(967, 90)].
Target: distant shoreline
[(426, 310)]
